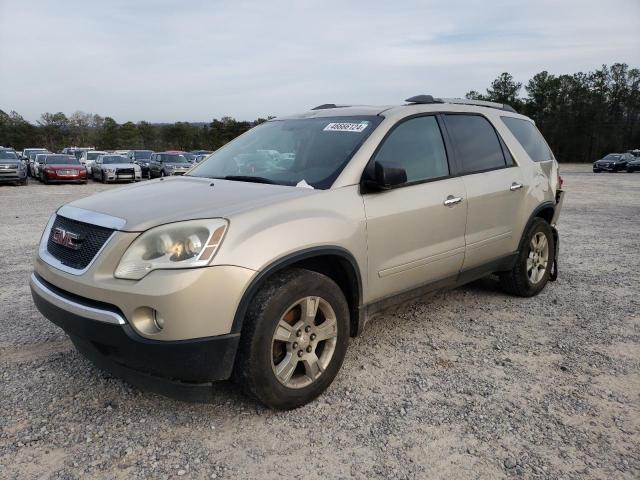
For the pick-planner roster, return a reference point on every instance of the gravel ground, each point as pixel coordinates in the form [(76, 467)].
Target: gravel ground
[(469, 383)]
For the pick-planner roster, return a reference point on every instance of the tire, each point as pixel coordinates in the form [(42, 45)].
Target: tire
[(102, 177), (518, 281), (25, 181), (279, 302)]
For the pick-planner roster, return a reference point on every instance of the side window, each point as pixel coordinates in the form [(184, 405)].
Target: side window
[(476, 143), (530, 138), (417, 146)]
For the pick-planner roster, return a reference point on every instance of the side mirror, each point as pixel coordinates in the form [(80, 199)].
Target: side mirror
[(384, 176)]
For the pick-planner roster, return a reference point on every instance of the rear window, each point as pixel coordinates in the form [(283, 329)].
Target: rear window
[(475, 142), (530, 138)]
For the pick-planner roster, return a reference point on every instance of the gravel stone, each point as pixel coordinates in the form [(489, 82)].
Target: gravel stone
[(469, 383)]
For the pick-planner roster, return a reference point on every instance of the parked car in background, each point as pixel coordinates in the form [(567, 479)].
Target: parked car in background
[(76, 151), (165, 164), (263, 273), (12, 168), (38, 160), (142, 159), (89, 157), (115, 168), (28, 154), (201, 156), (59, 168), (635, 153), (613, 162), (633, 165)]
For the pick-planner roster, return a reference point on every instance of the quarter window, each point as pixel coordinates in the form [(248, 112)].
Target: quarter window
[(417, 146), (530, 138), (476, 143)]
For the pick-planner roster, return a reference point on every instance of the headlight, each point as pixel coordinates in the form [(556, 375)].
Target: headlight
[(188, 244), (110, 170), (171, 167)]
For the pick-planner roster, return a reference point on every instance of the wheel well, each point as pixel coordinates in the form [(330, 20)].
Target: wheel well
[(546, 214), (335, 263), (341, 271)]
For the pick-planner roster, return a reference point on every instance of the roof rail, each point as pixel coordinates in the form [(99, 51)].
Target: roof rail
[(423, 99), (479, 103), (324, 106), (428, 99)]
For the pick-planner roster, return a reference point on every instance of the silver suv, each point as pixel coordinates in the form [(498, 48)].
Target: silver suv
[(263, 260)]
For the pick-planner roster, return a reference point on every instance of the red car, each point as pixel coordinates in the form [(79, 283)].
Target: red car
[(62, 168)]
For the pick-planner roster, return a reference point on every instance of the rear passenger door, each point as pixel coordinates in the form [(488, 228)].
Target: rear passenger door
[(494, 187), (415, 231)]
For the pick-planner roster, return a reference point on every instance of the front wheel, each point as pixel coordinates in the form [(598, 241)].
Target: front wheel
[(533, 265), (294, 339)]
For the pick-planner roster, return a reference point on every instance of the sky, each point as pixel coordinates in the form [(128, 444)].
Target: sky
[(166, 61)]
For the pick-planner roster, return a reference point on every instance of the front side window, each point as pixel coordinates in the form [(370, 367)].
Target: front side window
[(530, 138), (417, 146), (475, 142), (287, 152)]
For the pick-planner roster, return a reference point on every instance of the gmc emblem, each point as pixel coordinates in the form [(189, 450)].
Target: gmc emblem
[(66, 239)]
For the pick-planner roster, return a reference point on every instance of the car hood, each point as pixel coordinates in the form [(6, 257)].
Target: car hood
[(63, 166), (184, 198), (11, 162), (118, 165)]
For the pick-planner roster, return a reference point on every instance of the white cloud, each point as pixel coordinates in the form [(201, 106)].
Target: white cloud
[(172, 60)]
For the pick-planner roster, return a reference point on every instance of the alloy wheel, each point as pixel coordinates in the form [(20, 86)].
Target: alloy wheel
[(538, 257), (304, 342)]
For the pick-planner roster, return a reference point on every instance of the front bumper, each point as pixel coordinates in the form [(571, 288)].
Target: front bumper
[(101, 333), (116, 177), (12, 175)]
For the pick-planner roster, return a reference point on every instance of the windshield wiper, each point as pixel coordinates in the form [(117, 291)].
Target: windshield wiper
[(249, 178)]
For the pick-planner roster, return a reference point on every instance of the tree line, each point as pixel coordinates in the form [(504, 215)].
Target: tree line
[(55, 131), (582, 115)]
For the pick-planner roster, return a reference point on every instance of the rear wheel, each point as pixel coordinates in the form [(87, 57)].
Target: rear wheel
[(294, 339), (533, 265)]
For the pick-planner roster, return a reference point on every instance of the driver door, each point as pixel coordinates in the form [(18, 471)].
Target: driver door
[(415, 232)]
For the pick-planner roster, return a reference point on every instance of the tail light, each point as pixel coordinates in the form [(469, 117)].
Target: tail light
[(560, 182)]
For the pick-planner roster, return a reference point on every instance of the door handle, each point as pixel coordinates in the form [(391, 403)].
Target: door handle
[(515, 186), (450, 201)]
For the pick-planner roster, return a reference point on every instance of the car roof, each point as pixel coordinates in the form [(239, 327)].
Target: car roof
[(416, 104)]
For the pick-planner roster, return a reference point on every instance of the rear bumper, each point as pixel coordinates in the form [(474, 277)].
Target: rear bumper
[(183, 369)]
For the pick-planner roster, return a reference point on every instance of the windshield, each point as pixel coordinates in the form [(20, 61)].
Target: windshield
[(93, 155), (8, 155), (142, 154), (173, 158), (612, 156), (114, 159), (61, 160), (287, 152)]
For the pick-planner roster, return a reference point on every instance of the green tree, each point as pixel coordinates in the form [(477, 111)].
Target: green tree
[(109, 138), (130, 136)]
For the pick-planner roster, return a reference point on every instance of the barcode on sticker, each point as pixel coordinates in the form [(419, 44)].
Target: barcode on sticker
[(346, 127)]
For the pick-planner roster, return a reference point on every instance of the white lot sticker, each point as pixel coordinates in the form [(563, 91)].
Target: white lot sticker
[(346, 127)]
